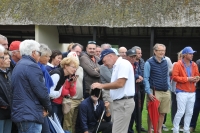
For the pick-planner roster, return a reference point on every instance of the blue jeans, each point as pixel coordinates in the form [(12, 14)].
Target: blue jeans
[(29, 127), (5, 126), (57, 108)]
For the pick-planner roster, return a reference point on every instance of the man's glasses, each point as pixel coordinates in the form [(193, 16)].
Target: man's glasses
[(2, 57), (40, 53), (91, 42)]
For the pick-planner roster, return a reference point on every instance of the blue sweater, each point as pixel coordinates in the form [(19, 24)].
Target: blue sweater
[(87, 118)]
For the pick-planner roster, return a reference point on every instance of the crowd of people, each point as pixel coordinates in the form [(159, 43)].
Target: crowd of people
[(103, 85)]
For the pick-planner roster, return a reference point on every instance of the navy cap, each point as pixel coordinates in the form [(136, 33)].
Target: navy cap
[(188, 50), (104, 53)]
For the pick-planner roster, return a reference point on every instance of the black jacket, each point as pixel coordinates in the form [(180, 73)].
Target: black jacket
[(5, 94)]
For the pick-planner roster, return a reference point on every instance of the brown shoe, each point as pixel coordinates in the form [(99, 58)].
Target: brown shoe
[(192, 129)]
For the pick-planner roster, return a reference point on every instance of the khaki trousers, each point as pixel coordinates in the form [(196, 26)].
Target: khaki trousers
[(70, 118), (122, 111)]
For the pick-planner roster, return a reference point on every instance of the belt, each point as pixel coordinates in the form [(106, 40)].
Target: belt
[(125, 97), (160, 90)]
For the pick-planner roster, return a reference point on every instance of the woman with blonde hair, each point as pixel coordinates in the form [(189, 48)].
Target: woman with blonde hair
[(64, 84), (70, 118), (70, 47)]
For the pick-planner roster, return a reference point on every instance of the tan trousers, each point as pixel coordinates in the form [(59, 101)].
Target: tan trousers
[(122, 111), (70, 118), (106, 97)]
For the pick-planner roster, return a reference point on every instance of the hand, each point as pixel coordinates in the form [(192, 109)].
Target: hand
[(97, 85), (197, 78), (74, 78), (192, 79), (141, 78), (107, 104), (45, 113), (151, 97), (4, 107), (96, 69), (138, 80)]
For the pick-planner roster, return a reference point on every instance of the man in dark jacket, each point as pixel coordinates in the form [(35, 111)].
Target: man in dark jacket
[(140, 69), (90, 112), (30, 101)]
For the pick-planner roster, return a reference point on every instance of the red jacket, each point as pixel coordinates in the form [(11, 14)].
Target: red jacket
[(67, 89), (179, 74)]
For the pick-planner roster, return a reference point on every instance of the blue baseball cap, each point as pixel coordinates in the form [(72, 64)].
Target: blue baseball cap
[(188, 50), (104, 53)]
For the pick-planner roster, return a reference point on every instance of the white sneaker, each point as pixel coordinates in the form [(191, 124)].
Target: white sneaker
[(164, 128), (186, 131), (181, 129), (175, 131)]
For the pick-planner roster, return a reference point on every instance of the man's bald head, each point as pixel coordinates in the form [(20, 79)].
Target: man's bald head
[(122, 52)]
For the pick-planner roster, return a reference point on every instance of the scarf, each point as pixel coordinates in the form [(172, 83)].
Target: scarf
[(47, 77)]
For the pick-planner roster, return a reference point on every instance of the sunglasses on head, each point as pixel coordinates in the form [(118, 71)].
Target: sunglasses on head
[(91, 42)]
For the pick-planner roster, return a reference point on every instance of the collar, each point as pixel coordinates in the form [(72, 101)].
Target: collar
[(51, 65), (185, 64), (96, 105), (117, 61), (4, 71), (162, 59), (29, 57), (12, 61)]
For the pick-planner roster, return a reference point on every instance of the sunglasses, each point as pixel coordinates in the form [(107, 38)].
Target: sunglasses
[(91, 42)]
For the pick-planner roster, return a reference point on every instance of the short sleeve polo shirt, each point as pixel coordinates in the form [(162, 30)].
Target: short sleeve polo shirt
[(123, 69)]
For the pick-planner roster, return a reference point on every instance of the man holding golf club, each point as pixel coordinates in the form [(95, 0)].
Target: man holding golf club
[(94, 115)]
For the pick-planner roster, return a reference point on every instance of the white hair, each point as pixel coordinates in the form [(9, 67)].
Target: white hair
[(105, 46), (2, 49), (28, 46), (45, 50), (73, 54), (2, 37)]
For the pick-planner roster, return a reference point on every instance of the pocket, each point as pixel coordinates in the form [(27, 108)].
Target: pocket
[(24, 126)]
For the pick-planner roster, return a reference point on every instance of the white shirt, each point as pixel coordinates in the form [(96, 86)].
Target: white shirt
[(55, 94), (123, 69), (95, 106)]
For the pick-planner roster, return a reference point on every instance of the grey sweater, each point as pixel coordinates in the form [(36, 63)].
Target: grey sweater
[(105, 76)]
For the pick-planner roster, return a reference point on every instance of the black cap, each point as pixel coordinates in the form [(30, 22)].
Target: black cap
[(131, 52)]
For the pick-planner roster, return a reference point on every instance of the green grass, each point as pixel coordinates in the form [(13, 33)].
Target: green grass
[(168, 122)]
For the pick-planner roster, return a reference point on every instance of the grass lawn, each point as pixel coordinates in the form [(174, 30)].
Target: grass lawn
[(168, 122)]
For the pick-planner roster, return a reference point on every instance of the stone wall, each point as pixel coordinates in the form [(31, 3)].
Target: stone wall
[(109, 13)]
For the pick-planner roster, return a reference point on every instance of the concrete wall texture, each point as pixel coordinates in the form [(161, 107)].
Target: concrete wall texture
[(109, 13)]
